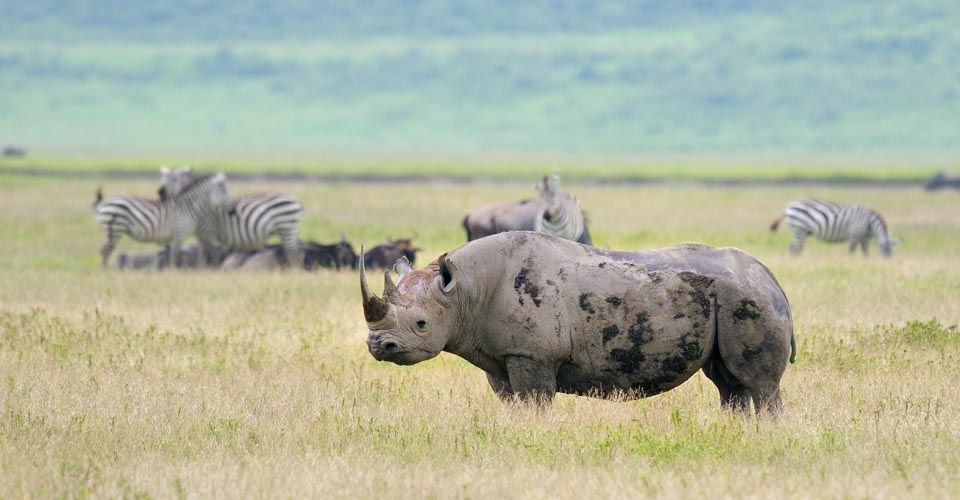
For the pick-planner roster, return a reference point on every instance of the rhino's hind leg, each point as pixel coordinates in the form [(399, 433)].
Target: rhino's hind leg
[(768, 400), (733, 394)]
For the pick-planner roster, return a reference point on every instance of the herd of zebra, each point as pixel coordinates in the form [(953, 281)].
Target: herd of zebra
[(232, 232)]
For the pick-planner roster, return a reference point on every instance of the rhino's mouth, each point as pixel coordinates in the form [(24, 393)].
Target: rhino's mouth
[(390, 350), (386, 350)]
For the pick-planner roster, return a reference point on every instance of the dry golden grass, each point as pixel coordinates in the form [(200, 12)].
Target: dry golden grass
[(201, 384)]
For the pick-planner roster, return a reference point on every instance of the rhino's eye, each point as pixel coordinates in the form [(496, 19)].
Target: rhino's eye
[(421, 324)]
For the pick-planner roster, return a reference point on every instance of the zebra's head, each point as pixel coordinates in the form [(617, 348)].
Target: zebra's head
[(549, 188), (173, 182), (881, 232), (219, 196), (886, 245)]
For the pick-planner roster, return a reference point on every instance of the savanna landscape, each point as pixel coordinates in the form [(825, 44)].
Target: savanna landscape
[(192, 384), (671, 122)]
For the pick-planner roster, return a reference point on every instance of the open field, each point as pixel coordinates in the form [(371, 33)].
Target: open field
[(201, 384)]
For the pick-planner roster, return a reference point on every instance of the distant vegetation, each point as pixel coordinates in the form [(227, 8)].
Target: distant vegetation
[(298, 77)]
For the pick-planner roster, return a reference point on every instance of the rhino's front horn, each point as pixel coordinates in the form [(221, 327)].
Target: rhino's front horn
[(374, 308)]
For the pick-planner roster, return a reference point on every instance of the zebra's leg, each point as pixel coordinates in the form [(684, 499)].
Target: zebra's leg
[(209, 253), (796, 246), (292, 254), (174, 251), (107, 248), (863, 245), (853, 246)]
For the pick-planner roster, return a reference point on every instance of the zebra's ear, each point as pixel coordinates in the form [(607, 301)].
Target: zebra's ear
[(220, 178)]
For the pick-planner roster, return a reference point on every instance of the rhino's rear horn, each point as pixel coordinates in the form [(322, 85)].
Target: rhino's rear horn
[(402, 266), (374, 308), (388, 287)]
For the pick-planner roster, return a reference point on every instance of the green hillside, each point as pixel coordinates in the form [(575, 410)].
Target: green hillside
[(300, 78)]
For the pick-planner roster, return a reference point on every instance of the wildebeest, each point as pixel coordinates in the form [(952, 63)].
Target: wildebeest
[(315, 255), (942, 180), (542, 315), (14, 151), (556, 212), (383, 256), (189, 257), (337, 255)]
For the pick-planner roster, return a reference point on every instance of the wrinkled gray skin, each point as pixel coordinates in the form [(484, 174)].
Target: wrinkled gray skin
[(540, 315)]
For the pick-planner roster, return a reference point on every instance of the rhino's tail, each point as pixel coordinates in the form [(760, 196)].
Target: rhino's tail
[(793, 348), (776, 223)]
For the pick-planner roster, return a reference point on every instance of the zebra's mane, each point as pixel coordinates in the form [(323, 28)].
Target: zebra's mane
[(883, 222), (195, 184)]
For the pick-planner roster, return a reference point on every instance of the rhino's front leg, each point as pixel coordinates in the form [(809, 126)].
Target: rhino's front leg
[(500, 387), (530, 380)]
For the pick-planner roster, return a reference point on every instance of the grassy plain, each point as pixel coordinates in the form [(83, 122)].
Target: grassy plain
[(201, 384)]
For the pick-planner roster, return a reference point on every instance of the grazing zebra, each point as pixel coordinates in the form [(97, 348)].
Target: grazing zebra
[(168, 221), (834, 222), (560, 215), (246, 222)]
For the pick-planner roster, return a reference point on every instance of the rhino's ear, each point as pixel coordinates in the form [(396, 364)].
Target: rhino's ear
[(448, 274)]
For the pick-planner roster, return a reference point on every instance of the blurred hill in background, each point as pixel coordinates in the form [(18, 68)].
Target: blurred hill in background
[(230, 77)]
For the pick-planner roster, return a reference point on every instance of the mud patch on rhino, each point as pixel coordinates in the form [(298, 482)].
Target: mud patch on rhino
[(610, 332), (699, 285), (639, 334), (751, 352), (639, 331), (655, 277), (614, 301), (674, 364), (690, 350), (747, 309), (522, 285), (585, 303), (629, 359)]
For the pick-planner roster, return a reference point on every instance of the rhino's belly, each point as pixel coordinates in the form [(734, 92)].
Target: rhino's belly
[(642, 346)]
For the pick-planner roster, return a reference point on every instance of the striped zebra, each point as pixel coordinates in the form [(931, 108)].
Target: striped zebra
[(168, 221), (246, 222), (560, 215), (834, 222)]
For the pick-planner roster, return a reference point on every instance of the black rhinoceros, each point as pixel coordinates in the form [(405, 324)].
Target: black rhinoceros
[(540, 314)]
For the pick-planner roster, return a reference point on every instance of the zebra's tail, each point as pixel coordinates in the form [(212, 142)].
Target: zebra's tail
[(99, 194), (776, 223)]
